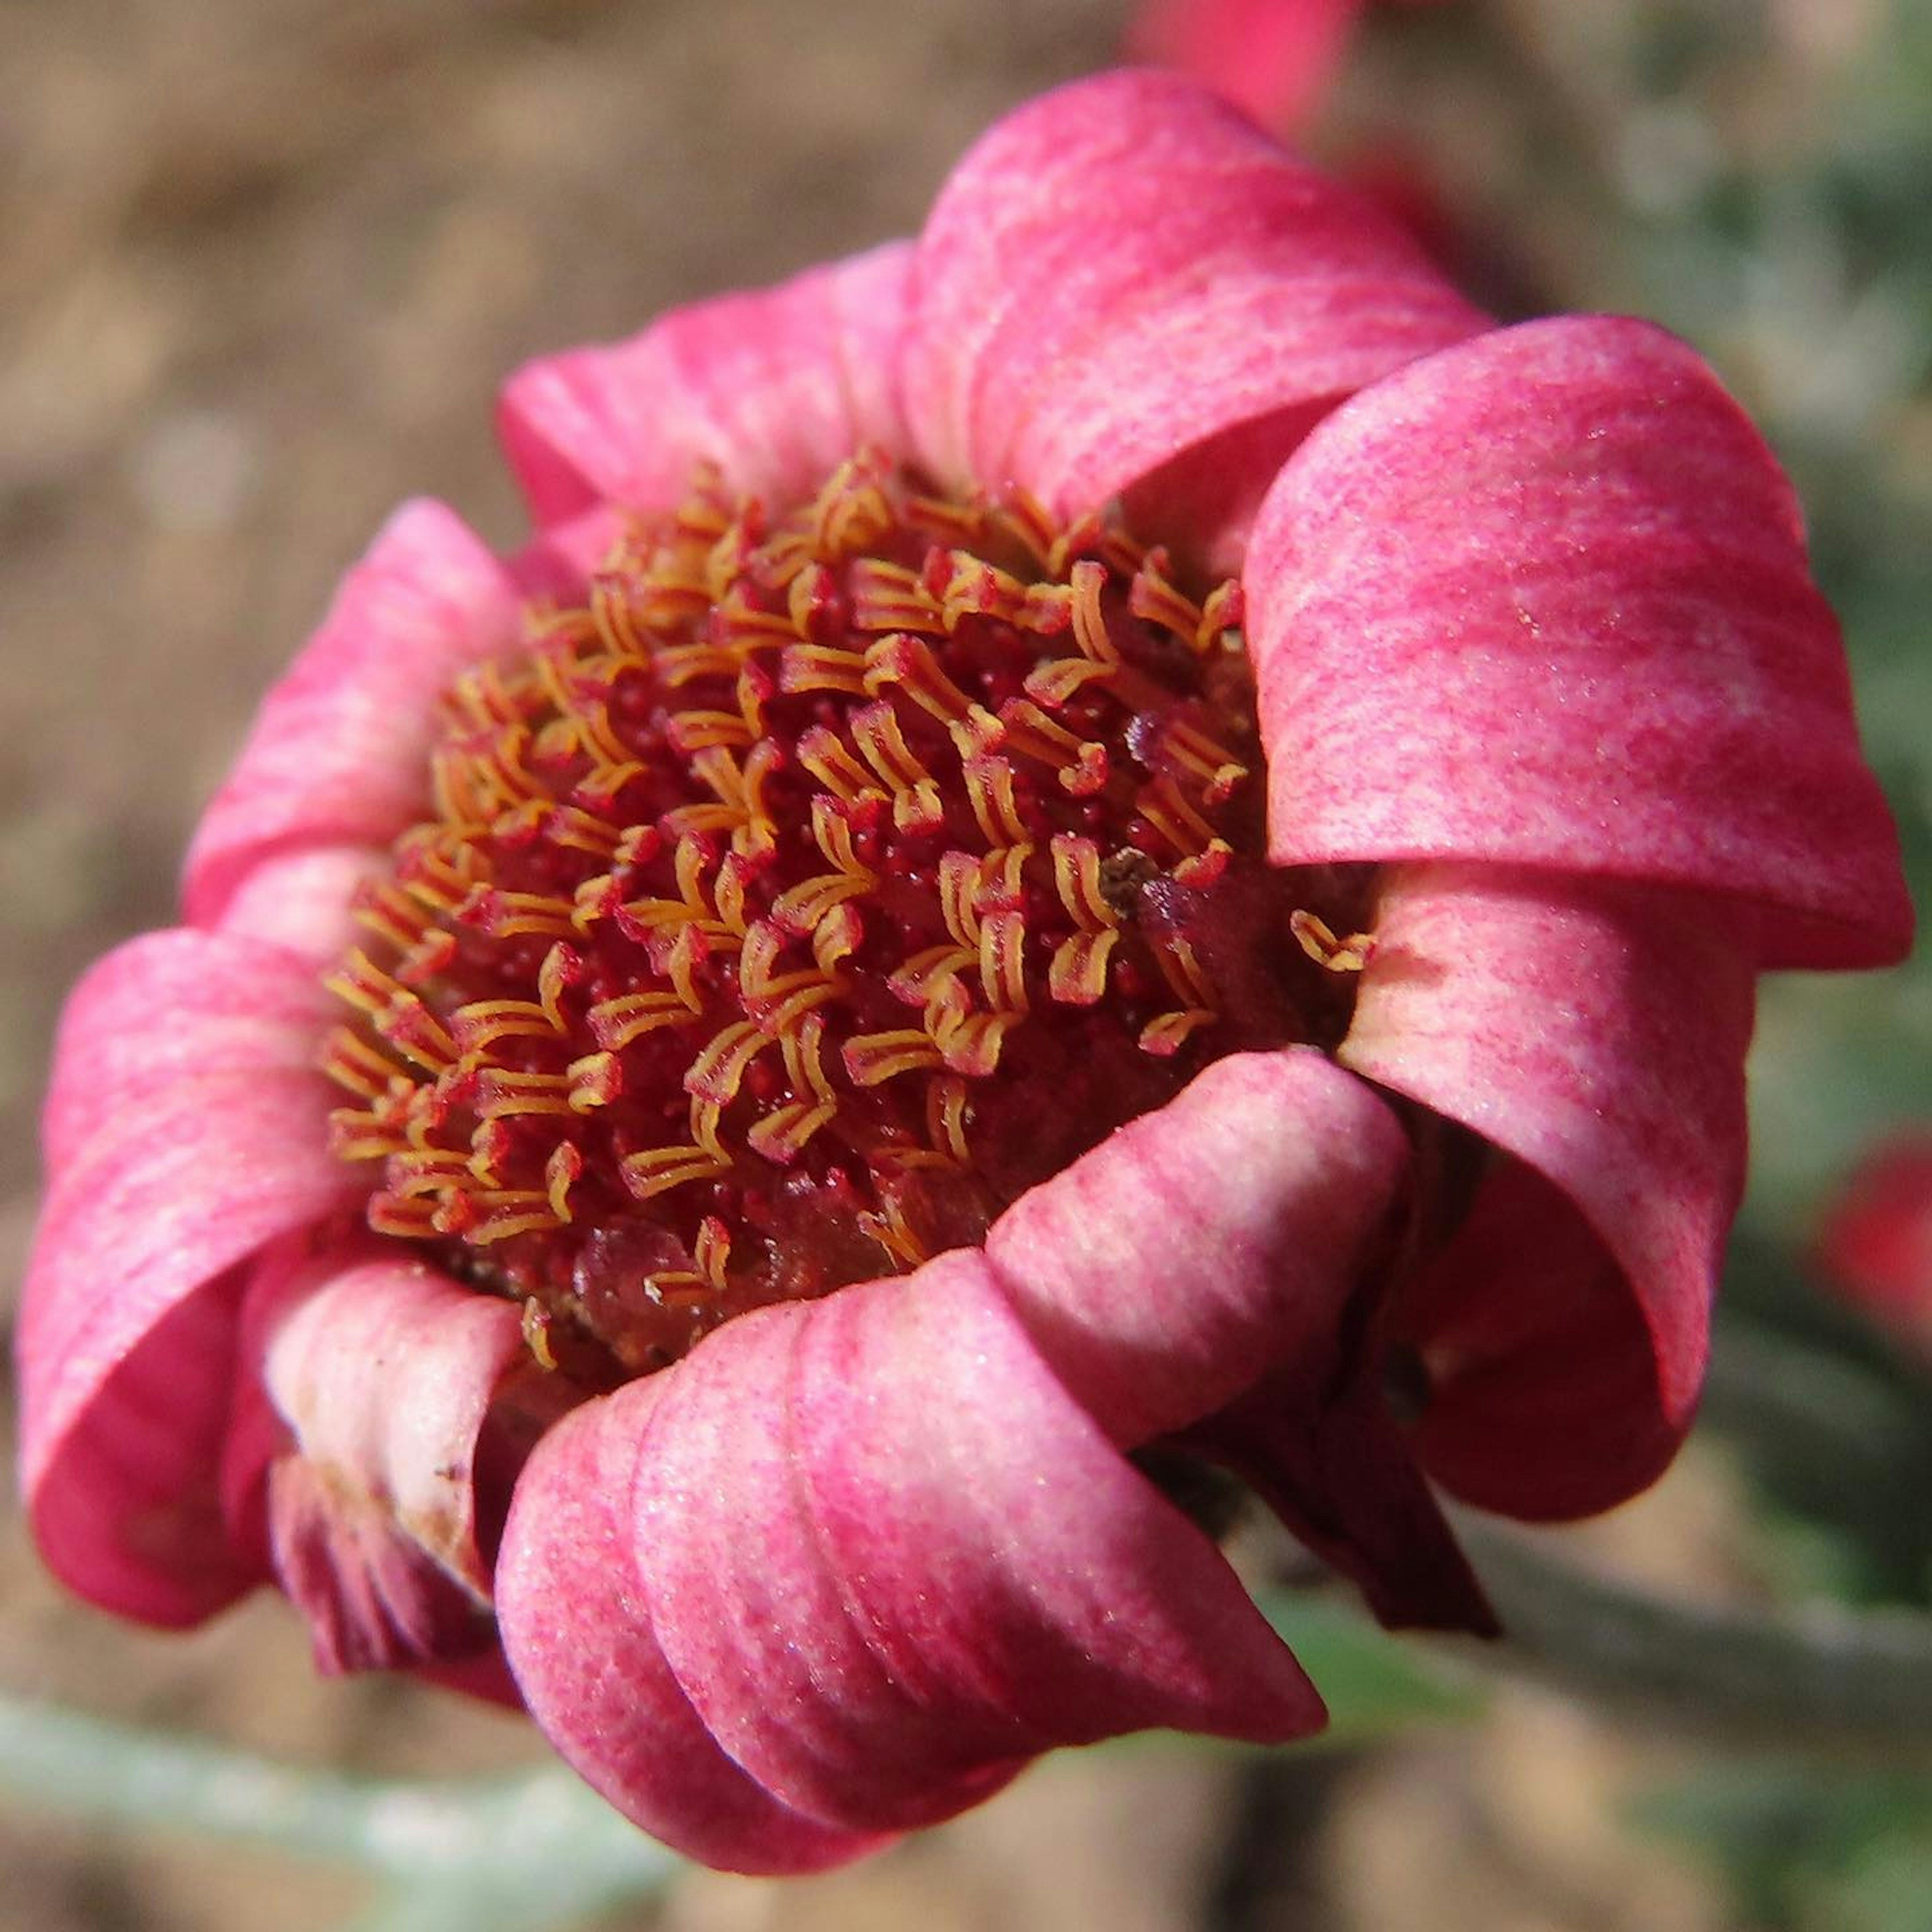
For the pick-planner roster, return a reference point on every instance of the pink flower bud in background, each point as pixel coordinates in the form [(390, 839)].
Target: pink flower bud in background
[(1874, 1247), (1274, 59)]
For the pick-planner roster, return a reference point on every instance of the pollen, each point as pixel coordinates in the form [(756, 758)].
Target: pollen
[(825, 878)]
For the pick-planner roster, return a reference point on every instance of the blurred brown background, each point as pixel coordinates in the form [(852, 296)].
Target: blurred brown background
[(262, 264)]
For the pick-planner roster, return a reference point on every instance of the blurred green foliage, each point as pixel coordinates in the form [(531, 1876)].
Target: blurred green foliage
[(1788, 232), (1847, 1853), (1372, 1683)]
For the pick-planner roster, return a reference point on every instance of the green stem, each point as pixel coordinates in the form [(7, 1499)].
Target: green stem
[(1779, 1394), (539, 1848), (535, 1848), (1816, 1679)]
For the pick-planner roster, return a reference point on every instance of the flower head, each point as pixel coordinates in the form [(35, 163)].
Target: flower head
[(1874, 1246), (1117, 834)]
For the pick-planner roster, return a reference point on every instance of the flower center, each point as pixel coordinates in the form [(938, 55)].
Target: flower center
[(820, 885)]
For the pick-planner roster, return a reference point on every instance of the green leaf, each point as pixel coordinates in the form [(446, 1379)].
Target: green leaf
[(1374, 1683)]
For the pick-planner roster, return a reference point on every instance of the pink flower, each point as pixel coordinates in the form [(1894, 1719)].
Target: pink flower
[(1875, 1245), (1274, 59), (1554, 734)]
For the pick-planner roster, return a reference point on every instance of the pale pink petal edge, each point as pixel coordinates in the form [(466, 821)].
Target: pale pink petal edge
[(338, 756), (775, 388)]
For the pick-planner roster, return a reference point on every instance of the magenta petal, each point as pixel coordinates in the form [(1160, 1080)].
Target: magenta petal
[(1544, 1400), (1168, 1269), (889, 1559), (339, 755), (1333, 1464), (1126, 268), (577, 1626), (183, 1131), (372, 1601), (776, 388), (1543, 599), (1597, 1032), (1198, 1273)]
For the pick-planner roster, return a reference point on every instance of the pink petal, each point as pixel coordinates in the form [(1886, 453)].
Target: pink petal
[(384, 1369), (381, 1371), (301, 901), (486, 1677), (123, 1501), (1597, 1032), (1190, 1252), (555, 565), (577, 1626), (373, 1600), (776, 388), (339, 755), (1543, 599), (889, 1559), (183, 1131), (1274, 59), (1202, 1273), (1544, 1397), (1126, 268), (1317, 1443)]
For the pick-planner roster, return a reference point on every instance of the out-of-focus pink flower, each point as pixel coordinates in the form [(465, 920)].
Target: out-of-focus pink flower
[(1875, 1245), (771, 893), (1274, 59), (1277, 60)]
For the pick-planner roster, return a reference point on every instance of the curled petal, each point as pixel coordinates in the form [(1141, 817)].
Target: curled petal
[(889, 1559), (1126, 267), (376, 1374), (183, 1131), (339, 755), (1317, 1444), (1543, 599), (373, 1600), (776, 388), (381, 1417), (1197, 1275), (1169, 1269), (577, 1629), (1543, 1400), (1597, 1032)]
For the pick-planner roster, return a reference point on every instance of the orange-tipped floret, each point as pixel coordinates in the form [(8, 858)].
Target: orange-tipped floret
[(821, 884)]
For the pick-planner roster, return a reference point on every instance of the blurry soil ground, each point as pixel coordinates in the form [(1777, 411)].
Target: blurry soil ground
[(262, 264)]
